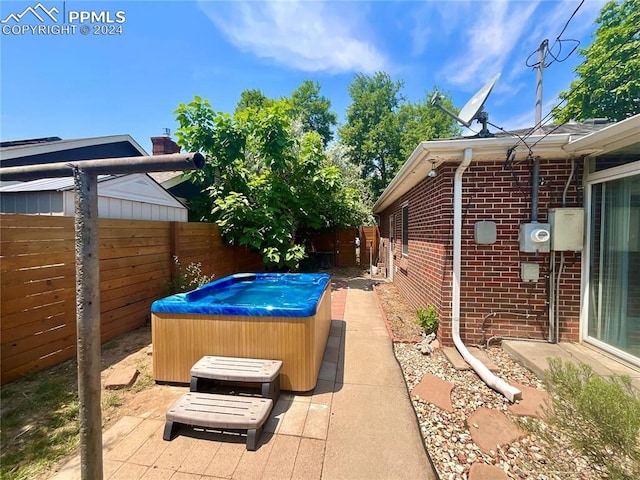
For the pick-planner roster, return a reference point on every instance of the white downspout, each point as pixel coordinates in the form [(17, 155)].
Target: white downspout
[(483, 372)]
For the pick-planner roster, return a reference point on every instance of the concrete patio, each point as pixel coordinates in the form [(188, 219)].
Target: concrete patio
[(357, 423), (534, 355)]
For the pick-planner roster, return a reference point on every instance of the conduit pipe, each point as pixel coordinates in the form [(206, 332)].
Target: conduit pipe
[(483, 372), (556, 293)]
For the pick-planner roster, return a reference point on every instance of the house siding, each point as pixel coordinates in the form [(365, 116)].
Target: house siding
[(491, 290)]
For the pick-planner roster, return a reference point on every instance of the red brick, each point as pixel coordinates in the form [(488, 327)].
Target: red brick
[(490, 273)]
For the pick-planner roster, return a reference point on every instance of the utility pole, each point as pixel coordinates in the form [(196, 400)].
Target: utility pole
[(540, 67)]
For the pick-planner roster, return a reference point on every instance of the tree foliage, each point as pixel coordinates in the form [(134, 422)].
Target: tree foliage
[(267, 180), (307, 106), (252, 98), (383, 128), (608, 83), (313, 110), (351, 174), (422, 121), (372, 130)]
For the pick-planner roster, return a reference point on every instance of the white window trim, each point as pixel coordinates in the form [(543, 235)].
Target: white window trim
[(592, 179)]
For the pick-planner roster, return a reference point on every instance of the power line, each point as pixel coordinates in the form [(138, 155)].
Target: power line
[(556, 56), (572, 91), (569, 21), (548, 50)]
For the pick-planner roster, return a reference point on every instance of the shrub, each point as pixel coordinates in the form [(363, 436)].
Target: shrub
[(599, 416), (189, 278), (428, 319)]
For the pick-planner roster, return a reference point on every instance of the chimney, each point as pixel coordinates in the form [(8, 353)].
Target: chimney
[(164, 145)]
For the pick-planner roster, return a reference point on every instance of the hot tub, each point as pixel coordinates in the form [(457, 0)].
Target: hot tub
[(263, 315)]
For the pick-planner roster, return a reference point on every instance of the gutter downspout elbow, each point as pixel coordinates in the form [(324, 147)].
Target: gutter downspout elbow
[(483, 372)]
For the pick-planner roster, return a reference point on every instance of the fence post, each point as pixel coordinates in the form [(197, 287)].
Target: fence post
[(88, 323), (174, 245)]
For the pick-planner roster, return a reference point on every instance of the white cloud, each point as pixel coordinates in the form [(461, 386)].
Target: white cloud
[(420, 34), (493, 34), (556, 16), (309, 36), (434, 23)]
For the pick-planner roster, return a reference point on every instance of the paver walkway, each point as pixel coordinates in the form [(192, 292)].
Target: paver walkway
[(358, 423)]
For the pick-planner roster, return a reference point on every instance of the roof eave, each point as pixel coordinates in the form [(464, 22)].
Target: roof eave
[(437, 152), (613, 137), (62, 145)]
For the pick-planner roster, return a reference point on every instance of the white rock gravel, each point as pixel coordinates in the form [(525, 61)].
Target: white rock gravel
[(446, 435)]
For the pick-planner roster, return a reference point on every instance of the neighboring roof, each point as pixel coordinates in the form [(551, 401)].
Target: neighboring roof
[(48, 184), (137, 187), (168, 179), (28, 141), (432, 153), (16, 149)]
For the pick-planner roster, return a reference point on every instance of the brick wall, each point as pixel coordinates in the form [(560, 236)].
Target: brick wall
[(492, 294)]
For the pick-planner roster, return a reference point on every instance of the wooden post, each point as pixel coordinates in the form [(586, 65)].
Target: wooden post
[(85, 174), (173, 250), (88, 322)]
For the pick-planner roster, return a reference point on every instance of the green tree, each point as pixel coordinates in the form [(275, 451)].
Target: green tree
[(267, 181), (351, 174), (383, 129), (310, 108), (313, 110), (252, 98), (422, 121), (608, 83), (372, 131)]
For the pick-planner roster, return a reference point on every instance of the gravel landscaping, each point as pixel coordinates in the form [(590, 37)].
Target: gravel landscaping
[(447, 436)]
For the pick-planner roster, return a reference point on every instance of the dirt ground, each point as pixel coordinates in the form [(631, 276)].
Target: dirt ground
[(131, 350), (401, 316)]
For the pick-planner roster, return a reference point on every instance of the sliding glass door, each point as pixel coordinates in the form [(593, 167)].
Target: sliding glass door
[(614, 263)]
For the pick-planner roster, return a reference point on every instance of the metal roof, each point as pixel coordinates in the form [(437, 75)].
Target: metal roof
[(28, 141), (571, 128), (25, 148), (49, 184)]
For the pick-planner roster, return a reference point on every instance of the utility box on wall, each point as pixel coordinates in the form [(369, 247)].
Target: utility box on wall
[(529, 272), (534, 237), (484, 233), (567, 229)]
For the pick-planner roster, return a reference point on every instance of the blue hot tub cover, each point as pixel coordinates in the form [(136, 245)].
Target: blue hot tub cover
[(251, 294)]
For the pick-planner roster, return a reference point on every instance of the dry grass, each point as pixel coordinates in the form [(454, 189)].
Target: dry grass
[(40, 412)]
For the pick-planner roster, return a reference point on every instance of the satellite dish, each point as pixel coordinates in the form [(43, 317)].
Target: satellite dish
[(472, 109)]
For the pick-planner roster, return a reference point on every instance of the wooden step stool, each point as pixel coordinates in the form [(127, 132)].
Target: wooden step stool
[(219, 412), (231, 369)]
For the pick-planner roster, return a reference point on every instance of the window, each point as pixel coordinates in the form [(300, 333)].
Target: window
[(405, 230), (613, 312)]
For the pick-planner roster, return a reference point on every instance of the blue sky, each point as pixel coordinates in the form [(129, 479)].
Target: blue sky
[(78, 85)]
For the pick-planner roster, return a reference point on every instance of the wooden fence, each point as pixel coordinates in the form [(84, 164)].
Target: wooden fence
[(369, 245), (37, 280)]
